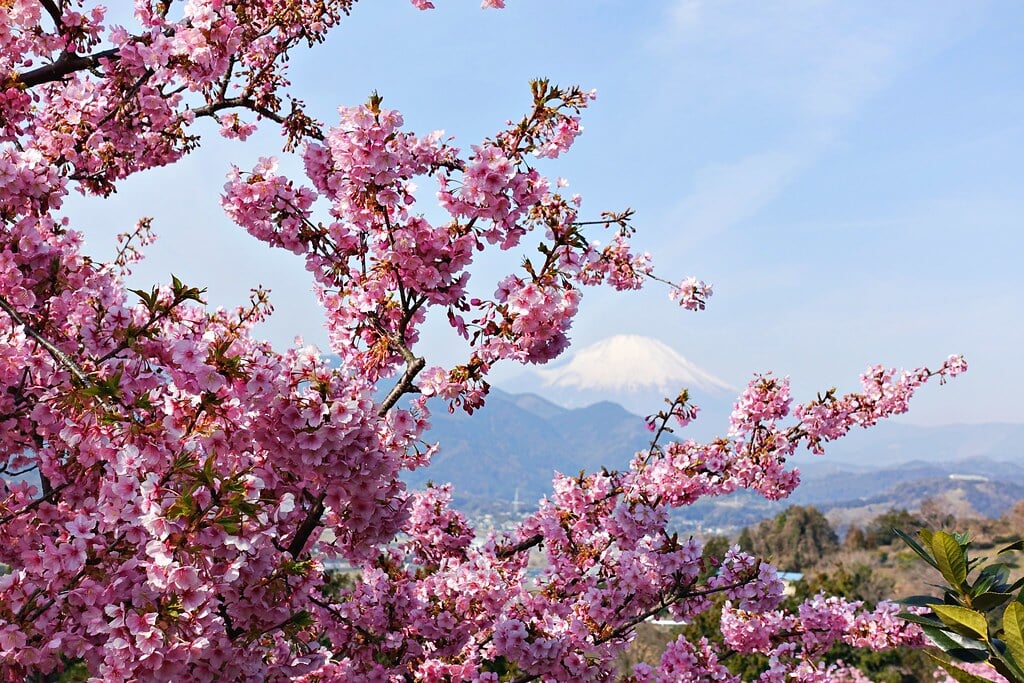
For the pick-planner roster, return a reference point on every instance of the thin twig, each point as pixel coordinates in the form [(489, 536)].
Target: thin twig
[(250, 104), (35, 503)]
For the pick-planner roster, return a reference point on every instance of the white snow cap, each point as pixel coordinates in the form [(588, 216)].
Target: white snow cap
[(629, 362)]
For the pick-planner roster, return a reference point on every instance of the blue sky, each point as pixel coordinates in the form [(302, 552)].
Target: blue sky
[(848, 175)]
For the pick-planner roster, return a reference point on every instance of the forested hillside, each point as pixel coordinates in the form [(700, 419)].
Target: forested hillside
[(868, 563)]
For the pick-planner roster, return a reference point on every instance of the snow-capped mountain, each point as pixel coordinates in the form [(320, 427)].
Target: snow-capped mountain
[(634, 371), (631, 363)]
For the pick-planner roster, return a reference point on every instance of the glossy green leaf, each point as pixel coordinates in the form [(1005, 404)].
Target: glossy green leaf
[(1007, 667), (962, 620), (921, 601), (992, 578), (973, 650), (916, 547), (989, 601), (982, 585), (1013, 631), (972, 655), (950, 558), (922, 619)]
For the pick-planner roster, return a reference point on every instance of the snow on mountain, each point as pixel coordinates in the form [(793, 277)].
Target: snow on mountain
[(632, 363), (636, 372)]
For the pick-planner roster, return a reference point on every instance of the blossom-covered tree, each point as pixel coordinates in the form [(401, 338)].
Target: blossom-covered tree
[(192, 479)]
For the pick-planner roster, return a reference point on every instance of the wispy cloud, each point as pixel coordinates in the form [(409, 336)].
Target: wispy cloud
[(726, 194), (810, 65)]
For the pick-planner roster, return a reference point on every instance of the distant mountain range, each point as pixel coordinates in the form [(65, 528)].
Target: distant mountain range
[(559, 418), (510, 449), (984, 487)]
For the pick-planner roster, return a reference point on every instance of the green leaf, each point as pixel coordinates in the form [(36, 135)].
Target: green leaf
[(922, 619), (148, 298), (958, 674), (964, 621), (992, 577), (1013, 631), (997, 570), (972, 655), (921, 601), (230, 523), (989, 601), (916, 547), (1016, 545), (952, 642), (950, 558), (982, 585)]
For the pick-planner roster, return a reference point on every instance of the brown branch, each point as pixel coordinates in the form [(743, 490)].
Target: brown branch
[(246, 103), (307, 527), (404, 385), (54, 12), (647, 614), (65, 65), (508, 551), (35, 503), (316, 511), (59, 356), (238, 103)]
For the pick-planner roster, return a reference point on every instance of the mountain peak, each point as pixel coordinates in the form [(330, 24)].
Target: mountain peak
[(631, 363)]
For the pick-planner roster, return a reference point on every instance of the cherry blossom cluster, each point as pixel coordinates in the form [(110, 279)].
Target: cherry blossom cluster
[(377, 249), (794, 642), (173, 487), (692, 294)]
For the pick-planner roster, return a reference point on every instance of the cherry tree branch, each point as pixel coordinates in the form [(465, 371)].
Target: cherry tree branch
[(316, 511), (49, 496), (305, 530), (508, 551), (65, 65), (54, 13), (404, 385), (238, 103), (59, 356)]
